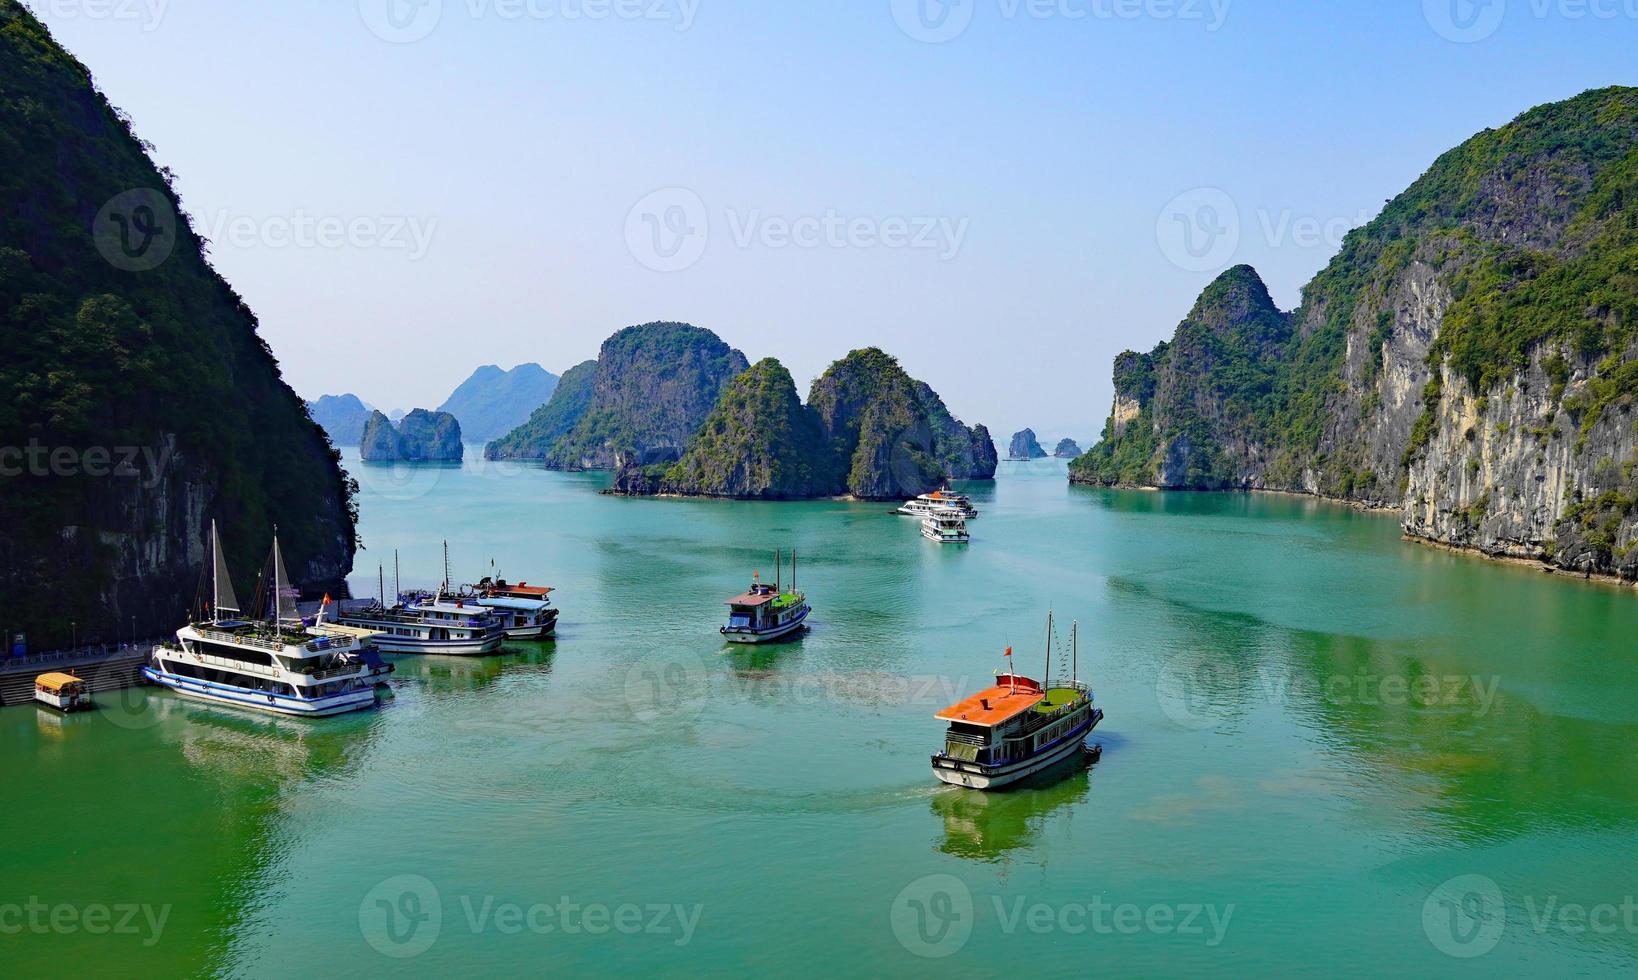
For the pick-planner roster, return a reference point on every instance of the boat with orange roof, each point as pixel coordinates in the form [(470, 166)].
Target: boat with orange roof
[(1018, 727), (940, 502)]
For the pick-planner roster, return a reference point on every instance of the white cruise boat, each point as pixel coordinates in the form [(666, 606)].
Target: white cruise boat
[(940, 502), (275, 665), (946, 528), (452, 627)]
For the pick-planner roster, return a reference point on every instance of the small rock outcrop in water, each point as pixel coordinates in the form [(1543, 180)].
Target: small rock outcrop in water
[(534, 439), (493, 402), (1469, 358), (131, 341), (869, 431), (342, 417), (1067, 449), (420, 437), (1025, 446)]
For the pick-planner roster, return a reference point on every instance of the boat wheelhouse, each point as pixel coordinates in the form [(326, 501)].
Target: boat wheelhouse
[(946, 528), (449, 627), (767, 612), (520, 619), (65, 692), (1015, 729), (277, 665)]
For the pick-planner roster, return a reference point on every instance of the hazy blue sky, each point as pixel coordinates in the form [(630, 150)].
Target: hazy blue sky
[(994, 190)]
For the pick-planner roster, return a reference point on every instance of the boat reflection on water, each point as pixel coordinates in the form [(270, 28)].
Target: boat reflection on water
[(436, 675), (985, 826), (243, 749)]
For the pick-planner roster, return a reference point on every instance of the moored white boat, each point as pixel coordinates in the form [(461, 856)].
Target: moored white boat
[(277, 665), (65, 692)]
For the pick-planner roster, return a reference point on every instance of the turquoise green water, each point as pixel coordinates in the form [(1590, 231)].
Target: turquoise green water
[(1326, 751)]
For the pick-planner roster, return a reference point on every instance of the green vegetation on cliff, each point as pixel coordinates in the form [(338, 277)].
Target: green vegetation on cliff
[(654, 385), (759, 442), (419, 437), (118, 333), (552, 421)]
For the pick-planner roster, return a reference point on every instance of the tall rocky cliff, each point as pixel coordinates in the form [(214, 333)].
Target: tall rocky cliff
[(140, 401), (653, 386), (1470, 357), (869, 430), (1025, 445)]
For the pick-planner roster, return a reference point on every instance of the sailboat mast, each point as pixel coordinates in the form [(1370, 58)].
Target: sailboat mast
[(215, 573), (278, 586), (381, 584), (397, 587), (1046, 681)]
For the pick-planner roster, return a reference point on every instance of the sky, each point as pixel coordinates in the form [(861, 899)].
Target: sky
[(1005, 194)]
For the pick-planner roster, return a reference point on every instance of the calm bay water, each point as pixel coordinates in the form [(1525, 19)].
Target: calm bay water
[(1326, 750)]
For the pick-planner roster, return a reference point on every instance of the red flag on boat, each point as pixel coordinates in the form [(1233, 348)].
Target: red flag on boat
[(1009, 651), (326, 598)]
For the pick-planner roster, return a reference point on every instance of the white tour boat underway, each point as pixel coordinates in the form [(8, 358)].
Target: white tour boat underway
[(277, 665), (1017, 728), (940, 502), (946, 528)]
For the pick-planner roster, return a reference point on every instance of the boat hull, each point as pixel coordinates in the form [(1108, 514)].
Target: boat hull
[(975, 776), (480, 647), (67, 705), (278, 704), (770, 635)]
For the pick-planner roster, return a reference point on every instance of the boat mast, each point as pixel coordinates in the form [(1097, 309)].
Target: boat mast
[(397, 587), (446, 564), (381, 584), (793, 569), (1046, 681), (1075, 652), (779, 567), (215, 573), (278, 587)]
